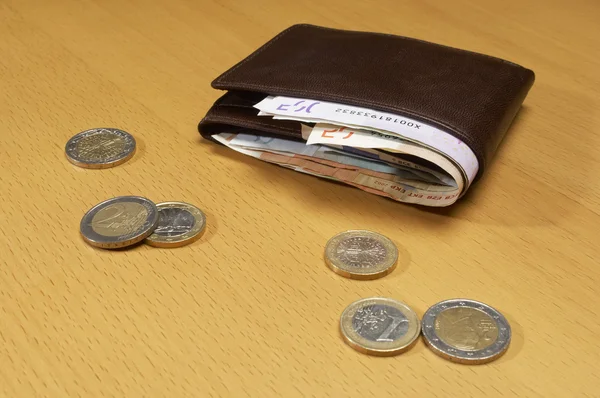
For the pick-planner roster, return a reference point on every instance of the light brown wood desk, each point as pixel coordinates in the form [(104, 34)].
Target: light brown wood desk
[(251, 309)]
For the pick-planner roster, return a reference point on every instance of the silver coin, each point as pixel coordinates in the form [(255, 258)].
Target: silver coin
[(119, 222), (179, 224), (466, 331), (380, 326), (360, 254), (100, 148)]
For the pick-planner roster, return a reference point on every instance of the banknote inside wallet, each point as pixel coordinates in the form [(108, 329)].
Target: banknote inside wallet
[(425, 91), (235, 112)]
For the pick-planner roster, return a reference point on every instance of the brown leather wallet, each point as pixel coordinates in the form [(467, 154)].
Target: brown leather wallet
[(471, 96)]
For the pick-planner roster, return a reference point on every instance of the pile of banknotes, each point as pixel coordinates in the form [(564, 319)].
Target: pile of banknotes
[(378, 152)]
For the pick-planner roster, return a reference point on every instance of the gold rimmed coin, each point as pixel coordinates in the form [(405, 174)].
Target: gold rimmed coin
[(360, 254), (380, 326), (466, 331), (179, 224), (119, 222), (100, 148)]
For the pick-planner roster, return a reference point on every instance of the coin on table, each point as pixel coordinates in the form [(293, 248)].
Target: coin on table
[(380, 326), (100, 148), (361, 254), (119, 222), (179, 224), (466, 331)]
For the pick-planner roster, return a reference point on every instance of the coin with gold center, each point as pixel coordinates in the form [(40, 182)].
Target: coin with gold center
[(100, 148), (119, 222), (380, 326), (360, 254), (466, 331), (179, 224)]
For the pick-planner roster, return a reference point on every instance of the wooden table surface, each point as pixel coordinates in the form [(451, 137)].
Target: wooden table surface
[(251, 309)]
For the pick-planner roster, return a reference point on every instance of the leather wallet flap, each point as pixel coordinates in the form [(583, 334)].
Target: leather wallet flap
[(469, 95)]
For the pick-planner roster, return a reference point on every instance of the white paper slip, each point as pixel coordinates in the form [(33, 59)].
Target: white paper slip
[(299, 108)]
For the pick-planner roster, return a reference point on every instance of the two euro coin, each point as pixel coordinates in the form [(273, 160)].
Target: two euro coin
[(466, 331), (119, 222), (126, 220)]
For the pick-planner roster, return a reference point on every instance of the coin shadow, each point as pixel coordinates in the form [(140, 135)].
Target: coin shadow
[(404, 260), (210, 230), (140, 150), (134, 247), (415, 349), (517, 340)]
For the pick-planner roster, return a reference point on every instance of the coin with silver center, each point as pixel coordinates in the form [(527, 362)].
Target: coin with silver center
[(466, 331), (360, 254), (179, 224), (380, 326), (119, 222), (100, 148)]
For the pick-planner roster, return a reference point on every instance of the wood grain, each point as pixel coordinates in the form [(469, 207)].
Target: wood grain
[(251, 309)]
